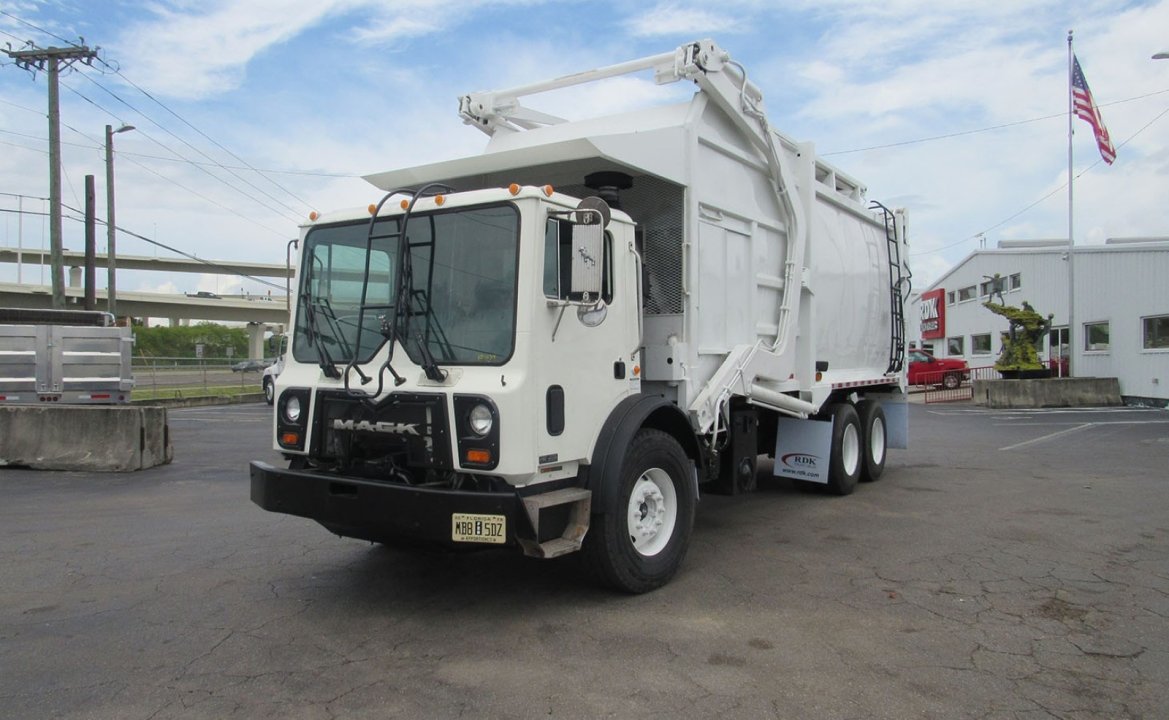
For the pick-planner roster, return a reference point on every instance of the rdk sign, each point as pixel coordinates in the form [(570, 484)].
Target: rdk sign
[(933, 314)]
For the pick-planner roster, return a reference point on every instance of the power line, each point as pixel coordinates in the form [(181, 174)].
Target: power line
[(234, 174), (209, 263), (148, 156), (151, 138), (38, 29), (183, 120), (962, 133), (1083, 172)]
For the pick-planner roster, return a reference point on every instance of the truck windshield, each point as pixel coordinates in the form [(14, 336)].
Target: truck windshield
[(463, 288)]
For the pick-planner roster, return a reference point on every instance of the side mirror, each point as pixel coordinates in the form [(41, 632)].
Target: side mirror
[(587, 255), (588, 238)]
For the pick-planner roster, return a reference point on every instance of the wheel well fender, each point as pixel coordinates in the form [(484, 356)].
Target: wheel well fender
[(631, 415)]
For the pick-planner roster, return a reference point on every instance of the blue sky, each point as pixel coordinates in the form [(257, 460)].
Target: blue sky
[(251, 114)]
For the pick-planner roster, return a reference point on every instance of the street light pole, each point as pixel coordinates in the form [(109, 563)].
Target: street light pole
[(111, 231)]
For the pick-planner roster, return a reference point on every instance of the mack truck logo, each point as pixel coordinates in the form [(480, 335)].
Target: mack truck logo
[(393, 428)]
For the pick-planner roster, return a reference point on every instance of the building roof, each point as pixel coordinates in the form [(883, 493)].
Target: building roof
[(1057, 247)]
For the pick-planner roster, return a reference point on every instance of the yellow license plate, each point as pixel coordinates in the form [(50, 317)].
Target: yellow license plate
[(467, 527)]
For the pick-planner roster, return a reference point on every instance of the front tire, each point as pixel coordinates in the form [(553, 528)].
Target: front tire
[(638, 543), (269, 390)]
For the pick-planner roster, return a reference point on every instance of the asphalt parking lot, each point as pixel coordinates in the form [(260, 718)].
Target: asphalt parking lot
[(1008, 565)]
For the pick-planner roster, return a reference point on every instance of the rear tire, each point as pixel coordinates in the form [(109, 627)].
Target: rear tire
[(638, 543), (951, 381), (874, 443), (845, 468)]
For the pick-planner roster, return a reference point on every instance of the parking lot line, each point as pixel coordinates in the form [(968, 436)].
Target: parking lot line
[(1049, 436)]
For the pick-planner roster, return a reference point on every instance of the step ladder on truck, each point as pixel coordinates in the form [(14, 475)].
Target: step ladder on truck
[(557, 344)]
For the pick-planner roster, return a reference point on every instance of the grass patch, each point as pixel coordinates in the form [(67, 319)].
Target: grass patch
[(191, 391)]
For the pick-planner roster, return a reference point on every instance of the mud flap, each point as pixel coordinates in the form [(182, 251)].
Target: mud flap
[(803, 449), (896, 407)]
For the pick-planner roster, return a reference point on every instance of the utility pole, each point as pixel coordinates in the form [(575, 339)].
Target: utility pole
[(51, 60), (111, 228)]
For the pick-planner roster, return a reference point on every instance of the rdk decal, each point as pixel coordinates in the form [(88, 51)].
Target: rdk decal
[(801, 461)]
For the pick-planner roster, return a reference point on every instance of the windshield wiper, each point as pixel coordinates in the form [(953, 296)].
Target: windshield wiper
[(313, 336)]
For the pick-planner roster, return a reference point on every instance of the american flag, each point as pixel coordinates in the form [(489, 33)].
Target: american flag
[(1085, 108)]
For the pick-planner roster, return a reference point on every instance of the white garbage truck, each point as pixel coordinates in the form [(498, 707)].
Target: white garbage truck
[(557, 344)]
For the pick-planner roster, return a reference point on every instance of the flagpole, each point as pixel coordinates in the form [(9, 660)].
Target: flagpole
[(1071, 237)]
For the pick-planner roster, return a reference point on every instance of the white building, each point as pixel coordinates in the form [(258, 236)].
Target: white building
[(1121, 308)]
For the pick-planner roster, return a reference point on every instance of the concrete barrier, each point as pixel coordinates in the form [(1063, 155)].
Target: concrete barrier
[(101, 438), (1049, 392)]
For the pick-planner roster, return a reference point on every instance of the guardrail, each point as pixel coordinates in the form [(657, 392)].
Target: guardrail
[(189, 377)]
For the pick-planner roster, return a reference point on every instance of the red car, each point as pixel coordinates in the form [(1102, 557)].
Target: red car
[(925, 369)]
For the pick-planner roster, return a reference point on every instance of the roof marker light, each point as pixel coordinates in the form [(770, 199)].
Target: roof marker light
[(514, 188), (404, 204), (548, 190), (439, 200), (372, 208), (313, 215)]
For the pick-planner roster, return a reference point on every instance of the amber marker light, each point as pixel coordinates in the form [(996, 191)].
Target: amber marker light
[(636, 370), (478, 457), (372, 208), (819, 376), (313, 215), (404, 204), (439, 200), (289, 438), (514, 188), (548, 190)]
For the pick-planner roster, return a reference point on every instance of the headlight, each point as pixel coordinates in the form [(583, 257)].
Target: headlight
[(480, 420), (292, 409)]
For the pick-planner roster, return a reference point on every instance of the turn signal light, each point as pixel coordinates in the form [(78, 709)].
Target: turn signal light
[(477, 457), (289, 438), (819, 376)]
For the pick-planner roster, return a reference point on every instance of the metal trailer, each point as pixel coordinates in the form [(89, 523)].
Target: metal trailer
[(586, 323), (71, 357)]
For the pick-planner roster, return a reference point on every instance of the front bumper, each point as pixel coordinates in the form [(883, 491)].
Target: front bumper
[(377, 511)]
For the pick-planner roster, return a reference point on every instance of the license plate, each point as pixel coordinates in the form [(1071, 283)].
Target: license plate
[(467, 527)]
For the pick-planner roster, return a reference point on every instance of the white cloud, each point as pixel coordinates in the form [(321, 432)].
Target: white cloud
[(180, 53), (672, 18)]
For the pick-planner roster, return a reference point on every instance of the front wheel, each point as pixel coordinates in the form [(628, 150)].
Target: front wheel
[(637, 544), (269, 390)]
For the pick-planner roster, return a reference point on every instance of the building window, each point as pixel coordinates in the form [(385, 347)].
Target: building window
[(1096, 336), (955, 346), (980, 344), (1016, 281), (985, 288), (950, 298), (1156, 332), (966, 293)]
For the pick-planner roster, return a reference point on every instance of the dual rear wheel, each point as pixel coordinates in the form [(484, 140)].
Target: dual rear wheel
[(858, 447)]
